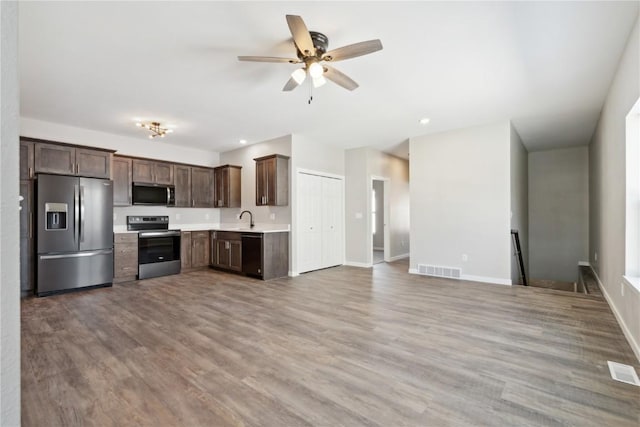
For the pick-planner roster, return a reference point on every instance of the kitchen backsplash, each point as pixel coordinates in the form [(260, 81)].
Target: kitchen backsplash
[(176, 215)]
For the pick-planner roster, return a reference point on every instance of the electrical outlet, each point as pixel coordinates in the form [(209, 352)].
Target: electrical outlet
[(272, 216), (115, 216), (622, 288), (178, 216), (465, 258), (358, 215), (207, 216)]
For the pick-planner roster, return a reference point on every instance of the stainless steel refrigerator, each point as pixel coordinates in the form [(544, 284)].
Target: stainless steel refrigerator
[(74, 236)]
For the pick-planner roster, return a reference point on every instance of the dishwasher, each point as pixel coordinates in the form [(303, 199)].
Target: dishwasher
[(252, 254)]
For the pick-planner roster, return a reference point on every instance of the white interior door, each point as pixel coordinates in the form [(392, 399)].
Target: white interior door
[(309, 222), (332, 222)]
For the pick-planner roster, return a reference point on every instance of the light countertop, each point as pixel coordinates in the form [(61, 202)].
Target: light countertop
[(241, 228)]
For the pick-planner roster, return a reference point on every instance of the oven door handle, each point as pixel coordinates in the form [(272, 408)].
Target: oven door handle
[(158, 234)]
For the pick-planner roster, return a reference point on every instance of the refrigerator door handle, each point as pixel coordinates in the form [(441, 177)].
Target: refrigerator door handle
[(82, 213), (78, 254), (76, 212)]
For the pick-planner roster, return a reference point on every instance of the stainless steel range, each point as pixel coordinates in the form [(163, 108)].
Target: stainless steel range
[(158, 247)]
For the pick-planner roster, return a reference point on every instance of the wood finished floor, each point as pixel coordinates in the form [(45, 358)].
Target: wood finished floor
[(339, 347)]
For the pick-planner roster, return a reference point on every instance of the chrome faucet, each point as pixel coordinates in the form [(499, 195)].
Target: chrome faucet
[(250, 217)]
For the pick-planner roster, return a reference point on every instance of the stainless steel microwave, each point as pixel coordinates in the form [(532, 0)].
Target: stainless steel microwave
[(154, 194)]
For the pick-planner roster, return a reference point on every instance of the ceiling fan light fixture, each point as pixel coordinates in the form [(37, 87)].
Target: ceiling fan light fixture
[(315, 70), (319, 81), (299, 75)]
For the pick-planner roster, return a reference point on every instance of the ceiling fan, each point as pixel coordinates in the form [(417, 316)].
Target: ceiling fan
[(311, 50)]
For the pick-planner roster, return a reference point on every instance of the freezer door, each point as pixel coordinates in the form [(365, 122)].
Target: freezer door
[(56, 213), (59, 272), (96, 214)]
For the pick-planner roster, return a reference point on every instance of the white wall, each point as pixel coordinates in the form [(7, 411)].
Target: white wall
[(361, 165), (9, 220), (461, 201), (139, 147), (244, 157), (558, 213), (519, 202), (607, 191)]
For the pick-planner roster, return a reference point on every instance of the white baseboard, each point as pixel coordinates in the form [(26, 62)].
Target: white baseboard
[(625, 330), (358, 264), (293, 274), (398, 257), (481, 279), (584, 263)]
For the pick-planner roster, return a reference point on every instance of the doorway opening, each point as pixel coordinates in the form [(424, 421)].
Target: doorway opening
[(379, 215)]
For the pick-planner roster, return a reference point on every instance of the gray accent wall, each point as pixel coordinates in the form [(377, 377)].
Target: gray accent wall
[(9, 222), (461, 201), (558, 213), (607, 192)]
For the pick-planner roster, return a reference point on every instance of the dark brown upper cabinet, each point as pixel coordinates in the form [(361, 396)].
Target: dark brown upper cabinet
[(272, 180), (122, 180), (201, 187), (182, 180), (152, 172), (71, 160), (26, 160), (228, 183)]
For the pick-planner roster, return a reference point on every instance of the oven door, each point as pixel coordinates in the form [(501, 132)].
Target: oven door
[(158, 246)]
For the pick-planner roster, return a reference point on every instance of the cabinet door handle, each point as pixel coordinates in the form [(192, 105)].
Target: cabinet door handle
[(193, 203), (30, 225), (30, 172)]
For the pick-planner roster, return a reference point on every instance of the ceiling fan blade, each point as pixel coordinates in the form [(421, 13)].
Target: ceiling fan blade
[(267, 59), (291, 85), (340, 78), (353, 50), (301, 36)]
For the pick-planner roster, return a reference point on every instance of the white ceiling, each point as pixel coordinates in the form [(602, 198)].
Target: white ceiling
[(547, 66)]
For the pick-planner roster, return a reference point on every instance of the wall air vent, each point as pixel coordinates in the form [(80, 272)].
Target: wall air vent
[(439, 271), (623, 373)]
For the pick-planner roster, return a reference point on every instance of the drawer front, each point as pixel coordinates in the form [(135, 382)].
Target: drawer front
[(228, 235), (126, 238)]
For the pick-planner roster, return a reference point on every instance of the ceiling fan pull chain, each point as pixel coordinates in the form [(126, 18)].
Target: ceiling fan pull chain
[(310, 93)]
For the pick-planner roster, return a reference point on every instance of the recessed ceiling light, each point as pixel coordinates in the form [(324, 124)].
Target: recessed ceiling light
[(243, 141), (425, 121)]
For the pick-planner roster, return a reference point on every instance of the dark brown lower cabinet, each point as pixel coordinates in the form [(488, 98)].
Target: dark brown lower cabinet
[(226, 250), (261, 255), (194, 250), (125, 257)]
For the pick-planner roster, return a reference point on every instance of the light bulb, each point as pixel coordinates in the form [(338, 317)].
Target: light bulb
[(299, 75), (139, 125), (319, 81), (315, 70)]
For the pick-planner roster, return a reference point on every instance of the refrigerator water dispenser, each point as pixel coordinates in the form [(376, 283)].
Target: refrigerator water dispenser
[(56, 216)]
